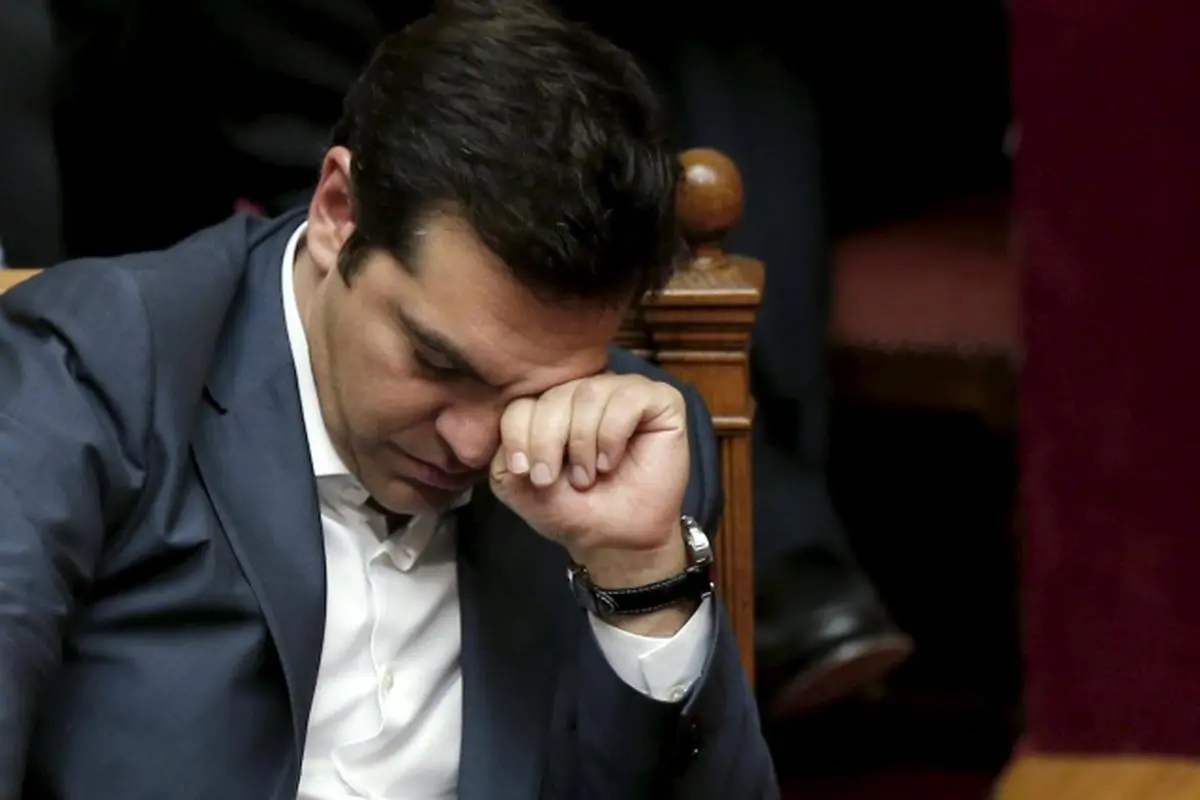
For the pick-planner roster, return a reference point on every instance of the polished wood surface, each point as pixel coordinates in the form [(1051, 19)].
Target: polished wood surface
[(1100, 778), (11, 277), (698, 328)]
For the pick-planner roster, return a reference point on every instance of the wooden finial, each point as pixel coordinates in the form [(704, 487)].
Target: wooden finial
[(709, 203)]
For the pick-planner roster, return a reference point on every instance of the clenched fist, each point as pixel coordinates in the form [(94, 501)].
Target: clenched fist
[(599, 464)]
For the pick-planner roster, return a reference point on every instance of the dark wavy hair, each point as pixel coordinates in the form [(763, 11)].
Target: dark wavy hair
[(546, 138)]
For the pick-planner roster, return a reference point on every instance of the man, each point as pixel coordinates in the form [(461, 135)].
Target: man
[(290, 508), (822, 632)]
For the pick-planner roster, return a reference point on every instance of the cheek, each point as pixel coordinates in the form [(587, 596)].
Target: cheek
[(387, 393)]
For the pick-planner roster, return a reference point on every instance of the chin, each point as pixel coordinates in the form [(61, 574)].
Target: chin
[(405, 496)]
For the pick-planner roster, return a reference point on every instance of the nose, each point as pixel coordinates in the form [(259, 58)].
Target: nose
[(472, 431)]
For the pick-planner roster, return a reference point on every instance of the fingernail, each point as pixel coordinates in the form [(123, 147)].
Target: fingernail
[(579, 477), (518, 464), (540, 475), (602, 462)]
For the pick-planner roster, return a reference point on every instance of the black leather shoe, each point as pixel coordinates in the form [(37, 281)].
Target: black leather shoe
[(812, 656)]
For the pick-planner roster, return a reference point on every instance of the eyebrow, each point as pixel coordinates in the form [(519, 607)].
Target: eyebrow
[(432, 340)]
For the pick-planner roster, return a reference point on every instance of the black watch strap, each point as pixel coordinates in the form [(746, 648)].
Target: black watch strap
[(691, 585)]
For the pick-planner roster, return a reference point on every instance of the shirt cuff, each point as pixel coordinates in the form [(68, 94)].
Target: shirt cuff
[(663, 669)]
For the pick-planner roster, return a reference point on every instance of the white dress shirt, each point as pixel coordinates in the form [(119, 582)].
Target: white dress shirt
[(386, 717)]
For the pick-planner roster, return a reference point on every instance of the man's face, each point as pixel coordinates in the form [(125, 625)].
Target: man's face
[(414, 366)]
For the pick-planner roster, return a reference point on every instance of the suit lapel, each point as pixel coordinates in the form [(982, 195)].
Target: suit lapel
[(515, 619), (254, 461), (255, 464), (253, 458)]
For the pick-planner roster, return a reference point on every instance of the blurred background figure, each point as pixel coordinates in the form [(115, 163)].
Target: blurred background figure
[(30, 216), (742, 83)]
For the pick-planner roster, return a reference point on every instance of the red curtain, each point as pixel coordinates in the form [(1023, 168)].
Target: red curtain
[(1107, 96)]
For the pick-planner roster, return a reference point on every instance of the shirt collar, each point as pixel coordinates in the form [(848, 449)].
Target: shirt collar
[(326, 463)]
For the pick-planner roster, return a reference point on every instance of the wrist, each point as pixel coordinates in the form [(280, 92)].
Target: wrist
[(617, 568), (612, 568)]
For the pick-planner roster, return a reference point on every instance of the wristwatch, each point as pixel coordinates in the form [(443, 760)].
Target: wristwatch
[(692, 585)]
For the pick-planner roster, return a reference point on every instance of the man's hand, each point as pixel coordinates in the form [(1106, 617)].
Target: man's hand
[(600, 465)]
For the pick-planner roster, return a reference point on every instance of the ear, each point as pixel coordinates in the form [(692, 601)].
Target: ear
[(331, 213)]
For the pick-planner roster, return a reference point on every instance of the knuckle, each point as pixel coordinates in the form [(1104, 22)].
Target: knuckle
[(581, 441), (515, 418), (673, 395), (624, 394), (612, 434), (586, 392), (549, 428), (519, 407)]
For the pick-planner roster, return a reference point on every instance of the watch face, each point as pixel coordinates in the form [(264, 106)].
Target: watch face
[(697, 542), (579, 588)]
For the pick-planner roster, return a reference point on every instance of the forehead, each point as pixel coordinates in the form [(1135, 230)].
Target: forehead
[(463, 290)]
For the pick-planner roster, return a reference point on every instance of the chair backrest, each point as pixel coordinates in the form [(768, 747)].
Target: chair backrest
[(698, 328)]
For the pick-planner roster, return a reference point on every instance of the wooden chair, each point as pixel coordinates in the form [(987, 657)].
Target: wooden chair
[(698, 328)]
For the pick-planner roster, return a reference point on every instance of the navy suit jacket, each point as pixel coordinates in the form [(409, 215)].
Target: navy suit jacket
[(162, 587)]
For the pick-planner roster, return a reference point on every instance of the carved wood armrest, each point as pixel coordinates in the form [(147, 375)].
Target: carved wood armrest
[(698, 328)]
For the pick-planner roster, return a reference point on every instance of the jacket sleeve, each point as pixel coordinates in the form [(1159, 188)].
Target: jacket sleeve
[(74, 372), (709, 746)]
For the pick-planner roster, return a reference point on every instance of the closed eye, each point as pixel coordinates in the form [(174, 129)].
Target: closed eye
[(436, 355), (435, 365)]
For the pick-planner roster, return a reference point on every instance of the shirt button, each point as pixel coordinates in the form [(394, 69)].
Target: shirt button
[(688, 744), (677, 694), (386, 681)]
